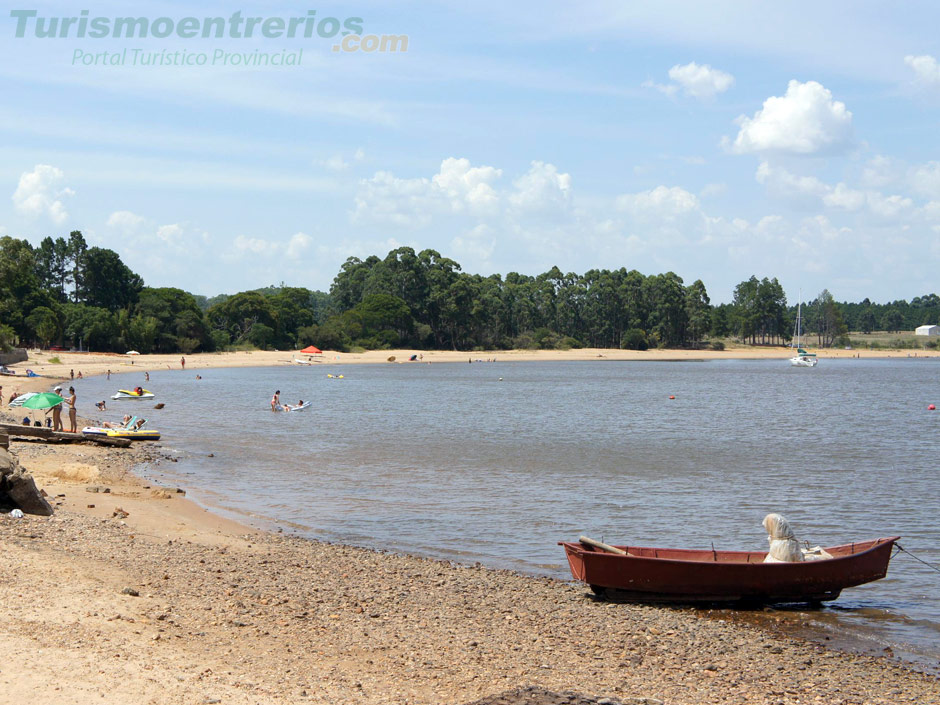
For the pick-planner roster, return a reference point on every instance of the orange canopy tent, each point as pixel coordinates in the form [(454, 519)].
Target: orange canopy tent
[(312, 350)]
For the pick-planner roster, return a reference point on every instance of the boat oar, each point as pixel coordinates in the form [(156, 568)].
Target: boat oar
[(601, 545)]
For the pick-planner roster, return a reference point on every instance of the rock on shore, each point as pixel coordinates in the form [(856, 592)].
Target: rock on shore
[(18, 488)]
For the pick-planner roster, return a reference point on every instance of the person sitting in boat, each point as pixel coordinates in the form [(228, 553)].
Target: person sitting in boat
[(138, 390), (784, 547), (139, 425)]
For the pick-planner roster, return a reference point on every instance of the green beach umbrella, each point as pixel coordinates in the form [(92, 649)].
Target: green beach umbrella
[(45, 400)]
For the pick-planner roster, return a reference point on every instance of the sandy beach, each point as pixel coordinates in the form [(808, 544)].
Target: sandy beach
[(131, 593)]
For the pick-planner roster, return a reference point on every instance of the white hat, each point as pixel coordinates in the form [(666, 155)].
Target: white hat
[(58, 389)]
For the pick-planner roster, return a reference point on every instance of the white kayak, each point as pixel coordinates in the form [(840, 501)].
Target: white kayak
[(293, 407)]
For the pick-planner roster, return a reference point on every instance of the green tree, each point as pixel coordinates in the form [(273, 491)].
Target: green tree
[(826, 320), (45, 325), (892, 320), (697, 310), (239, 314), (105, 281)]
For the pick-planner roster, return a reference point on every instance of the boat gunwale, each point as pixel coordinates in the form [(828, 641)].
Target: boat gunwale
[(579, 549)]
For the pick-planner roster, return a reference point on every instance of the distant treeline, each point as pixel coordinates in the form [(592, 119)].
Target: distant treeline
[(66, 293)]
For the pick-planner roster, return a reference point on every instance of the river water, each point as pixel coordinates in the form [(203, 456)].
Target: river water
[(496, 462)]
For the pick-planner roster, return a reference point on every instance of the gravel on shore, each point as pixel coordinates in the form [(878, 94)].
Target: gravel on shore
[(266, 618)]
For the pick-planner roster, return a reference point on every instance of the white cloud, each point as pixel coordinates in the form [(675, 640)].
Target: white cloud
[(385, 197), (814, 192), (701, 82), (669, 89), (784, 183), (541, 188), (804, 121), (125, 220), (466, 186), (925, 179), (457, 187), (660, 203), (335, 163), (38, 193), (844, 197), (253, 245), (338, 163), (477, 244), (298, 244), (926, 69), (880, 171), (888, 206), (171, 234)]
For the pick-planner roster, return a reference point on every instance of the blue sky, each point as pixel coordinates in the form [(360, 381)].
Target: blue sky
[(715, 140)]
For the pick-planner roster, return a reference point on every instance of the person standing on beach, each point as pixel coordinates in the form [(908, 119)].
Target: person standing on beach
[(72, 374), (57, 412), (109, 374), (1, 395), (276, 400), (73, 424), (183, 363)]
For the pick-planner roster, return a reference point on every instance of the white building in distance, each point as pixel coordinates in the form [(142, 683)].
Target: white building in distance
[(927, 330)]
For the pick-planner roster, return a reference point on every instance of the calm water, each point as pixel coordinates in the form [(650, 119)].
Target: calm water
[(448, 461)]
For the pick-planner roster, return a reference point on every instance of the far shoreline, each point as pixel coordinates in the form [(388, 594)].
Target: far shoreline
[(93, 364)]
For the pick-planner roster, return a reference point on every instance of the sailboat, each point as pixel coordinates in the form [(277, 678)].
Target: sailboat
[(802, 358)]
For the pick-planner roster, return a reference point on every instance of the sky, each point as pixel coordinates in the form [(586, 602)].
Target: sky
[(716, 140)]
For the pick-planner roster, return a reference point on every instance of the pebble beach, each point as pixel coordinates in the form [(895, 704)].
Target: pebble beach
[(130, 593)]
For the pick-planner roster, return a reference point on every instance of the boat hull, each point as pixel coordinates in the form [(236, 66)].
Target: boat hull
[(801, 361), (679, 575), (133, 435)]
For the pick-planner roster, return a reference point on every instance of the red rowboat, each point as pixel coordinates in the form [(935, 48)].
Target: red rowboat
[(680, 575)]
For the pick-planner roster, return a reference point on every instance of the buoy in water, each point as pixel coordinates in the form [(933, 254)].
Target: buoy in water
[(931, 407), (672, 396)]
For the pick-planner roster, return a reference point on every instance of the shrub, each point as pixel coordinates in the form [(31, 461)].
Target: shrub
[(718, 345), (220, 339), (55, 360), (525, 341), (634, 339)]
